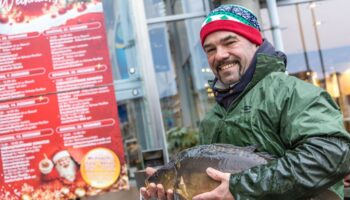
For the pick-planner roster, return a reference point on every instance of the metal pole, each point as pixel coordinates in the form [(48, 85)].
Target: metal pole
[(252, 5), (302, 38), (206, 6), (153, 103), (319, 46), (275, 27), (341, 95)]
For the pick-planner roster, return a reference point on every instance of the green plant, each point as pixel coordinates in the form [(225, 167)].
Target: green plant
[(180, 138)]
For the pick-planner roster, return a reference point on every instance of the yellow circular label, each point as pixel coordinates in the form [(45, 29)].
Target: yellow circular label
[(100, 167)]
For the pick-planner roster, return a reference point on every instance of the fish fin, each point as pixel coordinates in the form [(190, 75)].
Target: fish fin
[(178, 196), (182, 190), (266, 155), (251, 148), (170, 166)]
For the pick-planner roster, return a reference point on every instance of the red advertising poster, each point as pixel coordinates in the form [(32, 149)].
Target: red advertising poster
[(59, 128)]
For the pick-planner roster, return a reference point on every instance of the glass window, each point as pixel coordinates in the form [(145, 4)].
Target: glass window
[(292, 37), (182, 72), (133, 117), (162, 8), (335, 43), (121, 39), (132, 122), (317, 44)]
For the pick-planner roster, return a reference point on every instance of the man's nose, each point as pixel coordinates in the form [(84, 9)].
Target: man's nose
[(65, 162), (221, 53)]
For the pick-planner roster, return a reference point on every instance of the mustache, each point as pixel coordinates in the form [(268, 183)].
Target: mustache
[(219, 64)]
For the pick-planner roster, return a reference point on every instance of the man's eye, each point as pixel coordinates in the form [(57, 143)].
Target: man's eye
[(209, 50), (230, 42)]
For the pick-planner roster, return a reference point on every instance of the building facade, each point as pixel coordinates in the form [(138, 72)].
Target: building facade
[(161, 73)]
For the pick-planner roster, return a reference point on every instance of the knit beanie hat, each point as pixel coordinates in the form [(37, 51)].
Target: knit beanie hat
[(233, 18)]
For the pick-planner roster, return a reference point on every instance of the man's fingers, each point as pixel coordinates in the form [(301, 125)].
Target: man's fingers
[(150, 171), (346, 183), (170, 194), (215, 174), (160, 192), (206, 195), (144, 193), (156, 191), (152, 190)]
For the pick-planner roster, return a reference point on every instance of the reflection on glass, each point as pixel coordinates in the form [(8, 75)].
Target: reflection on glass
[(131, 122), (123, 50), (161, 8), (327, 65), (121, 41), (182, 72)]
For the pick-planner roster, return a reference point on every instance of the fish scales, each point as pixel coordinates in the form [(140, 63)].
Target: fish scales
[(186, 174), (187, 177)]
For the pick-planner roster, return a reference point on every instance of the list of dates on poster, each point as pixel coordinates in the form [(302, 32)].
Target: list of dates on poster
[(66, 59), (56, 90), (78, 114)]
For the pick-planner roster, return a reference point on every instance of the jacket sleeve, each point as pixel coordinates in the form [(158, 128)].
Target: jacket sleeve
[(317, 154), (316, 164)]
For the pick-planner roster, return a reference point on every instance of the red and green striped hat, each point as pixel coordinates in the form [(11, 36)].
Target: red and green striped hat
[(233, 18)]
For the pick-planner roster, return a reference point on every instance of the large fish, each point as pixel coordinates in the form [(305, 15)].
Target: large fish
[(186, 174)]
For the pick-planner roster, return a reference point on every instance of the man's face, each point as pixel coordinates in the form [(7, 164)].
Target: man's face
[(64, 162), (229, 55), (66, 168)]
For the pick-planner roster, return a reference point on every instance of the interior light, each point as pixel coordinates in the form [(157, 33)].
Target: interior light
[(135, 92), (312, 5), (132, 70), (318, 23), (347, 70)]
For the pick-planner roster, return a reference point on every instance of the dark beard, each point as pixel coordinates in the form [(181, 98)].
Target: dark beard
[(240, 71)]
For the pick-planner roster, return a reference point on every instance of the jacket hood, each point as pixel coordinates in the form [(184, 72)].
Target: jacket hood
[(267, 49)]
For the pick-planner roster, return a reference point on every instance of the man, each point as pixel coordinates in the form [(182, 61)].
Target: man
[(257, 103), (66, 167)]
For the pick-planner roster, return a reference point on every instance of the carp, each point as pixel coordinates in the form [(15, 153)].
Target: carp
[(186, 174)]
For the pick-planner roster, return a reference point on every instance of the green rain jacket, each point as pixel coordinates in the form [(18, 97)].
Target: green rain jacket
[(293, 120)]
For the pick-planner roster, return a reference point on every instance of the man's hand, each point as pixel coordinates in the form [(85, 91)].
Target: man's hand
[(155, 191), (347, 181), (222, 192)]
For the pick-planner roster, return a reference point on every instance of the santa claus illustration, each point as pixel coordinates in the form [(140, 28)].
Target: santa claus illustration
[(61, 166)]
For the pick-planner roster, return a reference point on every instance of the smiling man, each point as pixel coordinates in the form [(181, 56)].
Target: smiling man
[(229, 55), (258, 104)]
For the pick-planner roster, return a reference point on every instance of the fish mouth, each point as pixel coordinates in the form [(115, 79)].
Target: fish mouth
[(227, 65)]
